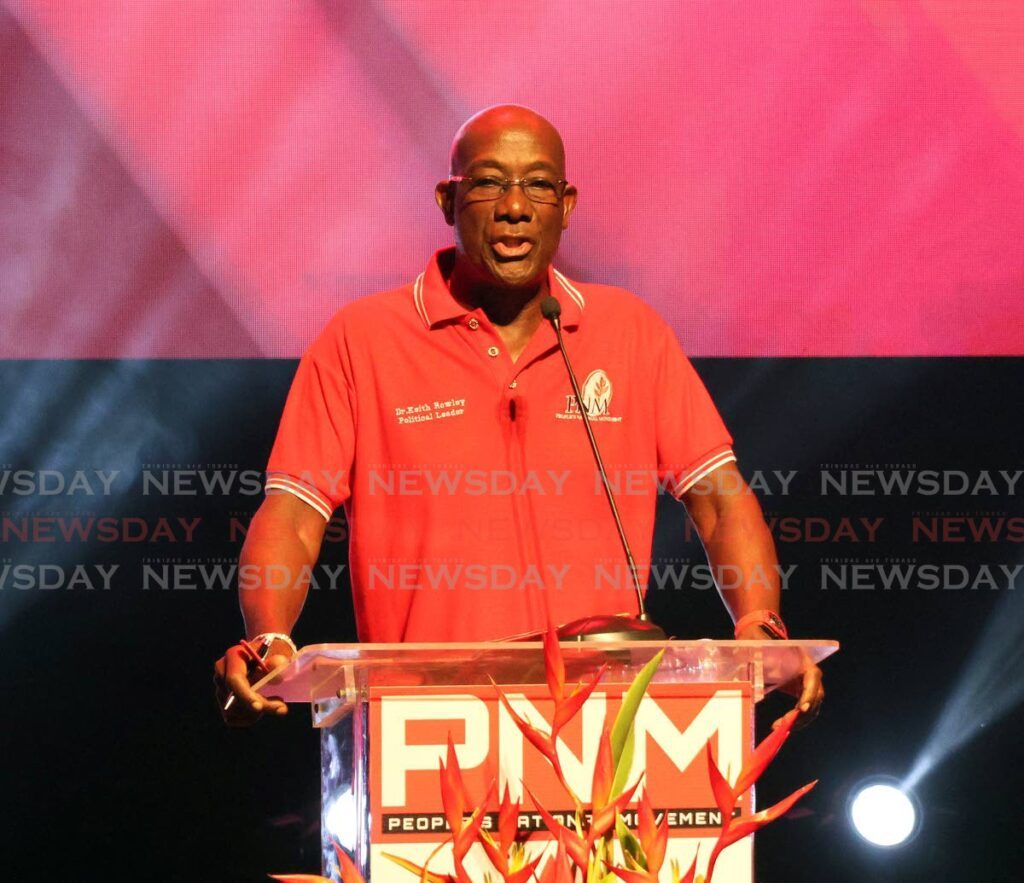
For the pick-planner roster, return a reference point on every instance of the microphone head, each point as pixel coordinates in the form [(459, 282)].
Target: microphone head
[(550, 308)]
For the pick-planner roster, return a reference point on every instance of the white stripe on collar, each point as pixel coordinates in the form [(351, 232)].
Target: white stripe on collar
[(570, 289), (417, 297)]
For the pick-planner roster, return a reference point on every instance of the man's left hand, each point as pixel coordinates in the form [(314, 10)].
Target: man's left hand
[(807, 687), (811, 694)]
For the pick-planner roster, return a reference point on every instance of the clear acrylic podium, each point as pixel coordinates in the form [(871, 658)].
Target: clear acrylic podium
[(384, 711)]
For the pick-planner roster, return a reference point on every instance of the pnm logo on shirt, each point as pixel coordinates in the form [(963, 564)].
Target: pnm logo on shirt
[(596, 393)]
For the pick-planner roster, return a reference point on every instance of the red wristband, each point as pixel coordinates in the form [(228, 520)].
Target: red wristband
[(769, 620)]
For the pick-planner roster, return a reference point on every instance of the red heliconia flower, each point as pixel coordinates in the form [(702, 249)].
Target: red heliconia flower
[(744, 825), (600, 824), (525, 872), (566, 707), (764, 754), (689, 875), (566, 710), (638, 875), (557, 869), (454, 797), (543, 742), (349, 872), (554, 665), (653, 837), (508, 828), (726, 796), (508, 822), (653, 841), (570, 841), (602, 821), (421, 872), (498, 858), (471, 830), (604, 773)]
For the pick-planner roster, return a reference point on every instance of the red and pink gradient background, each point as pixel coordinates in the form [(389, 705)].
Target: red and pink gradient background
[(214, 178)]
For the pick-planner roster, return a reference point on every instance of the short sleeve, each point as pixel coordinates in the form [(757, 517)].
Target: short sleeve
[(314, 449), (692, 439)]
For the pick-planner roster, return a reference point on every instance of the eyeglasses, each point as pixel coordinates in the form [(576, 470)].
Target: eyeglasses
[(491, 187)]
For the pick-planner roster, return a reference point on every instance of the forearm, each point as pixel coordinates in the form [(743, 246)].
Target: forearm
[(737, 541), (740, 549), (741, 552), (275, 568)]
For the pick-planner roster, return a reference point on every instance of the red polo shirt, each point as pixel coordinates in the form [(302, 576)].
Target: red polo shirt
[(473, 501)]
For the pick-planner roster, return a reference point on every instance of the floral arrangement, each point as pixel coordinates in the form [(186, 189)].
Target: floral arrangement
[(599, 847)]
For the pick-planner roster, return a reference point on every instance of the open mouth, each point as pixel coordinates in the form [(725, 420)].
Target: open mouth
[(511, 246)]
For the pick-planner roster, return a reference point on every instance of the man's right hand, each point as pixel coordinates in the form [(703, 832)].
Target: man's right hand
[(234, 674)]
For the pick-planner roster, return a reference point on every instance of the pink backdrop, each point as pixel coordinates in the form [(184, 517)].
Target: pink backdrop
[(214, 179)]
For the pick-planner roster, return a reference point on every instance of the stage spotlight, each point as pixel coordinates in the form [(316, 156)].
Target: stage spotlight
[(883, 813)]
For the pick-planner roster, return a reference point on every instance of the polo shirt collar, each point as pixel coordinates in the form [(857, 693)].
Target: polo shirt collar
[(435, 304), (568, 295)]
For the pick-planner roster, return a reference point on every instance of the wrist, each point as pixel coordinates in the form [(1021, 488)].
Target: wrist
[(278, 643), (768, 622)]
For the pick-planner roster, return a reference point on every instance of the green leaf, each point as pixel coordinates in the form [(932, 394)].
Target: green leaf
[(622, 729), (631, 847), (624, 764)]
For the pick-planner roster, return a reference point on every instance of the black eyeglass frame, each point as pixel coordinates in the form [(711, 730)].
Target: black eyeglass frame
[(507, 183)]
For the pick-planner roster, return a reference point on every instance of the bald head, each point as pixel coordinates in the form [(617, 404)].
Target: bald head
[(505, 121), (508, 200)]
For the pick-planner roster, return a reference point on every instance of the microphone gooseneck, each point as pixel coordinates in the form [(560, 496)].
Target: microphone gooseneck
[(601, 627)]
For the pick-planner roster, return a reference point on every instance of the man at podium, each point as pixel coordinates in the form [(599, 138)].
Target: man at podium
[(442, 418)]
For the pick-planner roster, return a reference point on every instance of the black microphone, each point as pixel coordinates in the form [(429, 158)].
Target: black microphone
[(601, 628)]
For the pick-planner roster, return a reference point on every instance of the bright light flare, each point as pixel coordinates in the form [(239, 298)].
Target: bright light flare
[(883, 814), (341, 819), (984, 692)]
